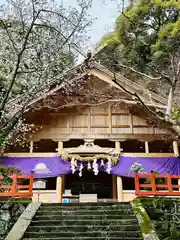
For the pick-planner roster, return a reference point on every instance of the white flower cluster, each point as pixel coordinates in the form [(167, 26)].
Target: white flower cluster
[(31, 64), (137, 168)]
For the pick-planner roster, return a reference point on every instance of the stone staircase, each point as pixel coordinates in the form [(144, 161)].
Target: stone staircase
[(84, 221)]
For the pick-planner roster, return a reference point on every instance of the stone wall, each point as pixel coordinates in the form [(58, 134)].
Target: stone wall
[(165, 216), (10, 211)]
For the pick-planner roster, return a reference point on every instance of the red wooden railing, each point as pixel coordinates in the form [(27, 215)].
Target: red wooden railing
[(14, 190), (165, 189)]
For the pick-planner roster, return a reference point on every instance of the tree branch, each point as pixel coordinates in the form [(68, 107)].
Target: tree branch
[(9, 35), (140, 73), (138, 98), (17, 66)]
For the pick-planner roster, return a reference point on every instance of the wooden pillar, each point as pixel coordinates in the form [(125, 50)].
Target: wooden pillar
[(117, 147), (114, 187), (179, 183), (60, 147), (63, 184), (146, 147), (175, 148), (59, 186), (119, 189), (31, 147), (110, 118)]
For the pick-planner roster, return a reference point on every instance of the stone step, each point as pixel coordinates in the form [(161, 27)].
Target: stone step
[(123, 217), (82, 228), (91, 234), (88, 238), (85, 212), (88, 207), (79, 222), (84, 221), (88, 204)]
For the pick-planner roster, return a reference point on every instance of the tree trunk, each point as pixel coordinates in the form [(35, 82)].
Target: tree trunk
[(170, 103)]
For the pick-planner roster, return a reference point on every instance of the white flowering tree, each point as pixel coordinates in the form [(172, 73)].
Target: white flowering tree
[(37, 43)]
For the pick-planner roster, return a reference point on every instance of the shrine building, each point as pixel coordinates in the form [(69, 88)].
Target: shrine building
[(88, 131)]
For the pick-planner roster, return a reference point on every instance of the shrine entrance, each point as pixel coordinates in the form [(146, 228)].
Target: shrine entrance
[(89, 183), (91, 173)]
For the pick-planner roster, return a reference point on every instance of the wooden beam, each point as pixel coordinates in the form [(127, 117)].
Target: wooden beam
[(120, 126), (117, 147), (119, 189), (52, 154), (119, 136), (60, 147), (131, 122), (176, 149), (146, 147), (109, 118), (89, 120), (59, 187), (153, 155)]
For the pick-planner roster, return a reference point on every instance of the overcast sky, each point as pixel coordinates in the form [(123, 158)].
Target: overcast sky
[(106, 11)]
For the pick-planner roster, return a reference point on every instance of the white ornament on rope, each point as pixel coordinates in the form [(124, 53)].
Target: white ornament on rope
[(80, 170), (109, 165), (73, 169), (102, 163), (95, 167), (89, 166)]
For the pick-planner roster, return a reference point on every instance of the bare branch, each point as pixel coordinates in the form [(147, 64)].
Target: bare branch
[(138, 98), (140, 73)]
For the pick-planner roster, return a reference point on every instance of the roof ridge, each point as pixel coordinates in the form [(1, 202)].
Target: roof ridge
[(129, 82)]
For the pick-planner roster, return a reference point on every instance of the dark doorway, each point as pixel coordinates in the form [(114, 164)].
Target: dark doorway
[(89, 183)]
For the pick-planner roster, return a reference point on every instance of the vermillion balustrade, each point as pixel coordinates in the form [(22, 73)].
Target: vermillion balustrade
[(16, 190), (153, 188)]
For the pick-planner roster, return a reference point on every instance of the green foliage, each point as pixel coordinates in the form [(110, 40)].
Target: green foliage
[(145, 222), (5, 172), (176, 113), (147, 33), (3, 142), (157, 181), (161, 211)]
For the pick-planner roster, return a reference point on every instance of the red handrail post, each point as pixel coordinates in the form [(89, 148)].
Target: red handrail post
[(137, 186), (31, 180), (169, 183), (14, 184), (153, 182)]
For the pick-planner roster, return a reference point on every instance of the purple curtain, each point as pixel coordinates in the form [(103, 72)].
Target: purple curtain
[(59, 167), (56, 165)]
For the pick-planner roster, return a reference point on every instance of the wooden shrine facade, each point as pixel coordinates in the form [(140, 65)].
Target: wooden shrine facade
[(103, 122), (118, 119)]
